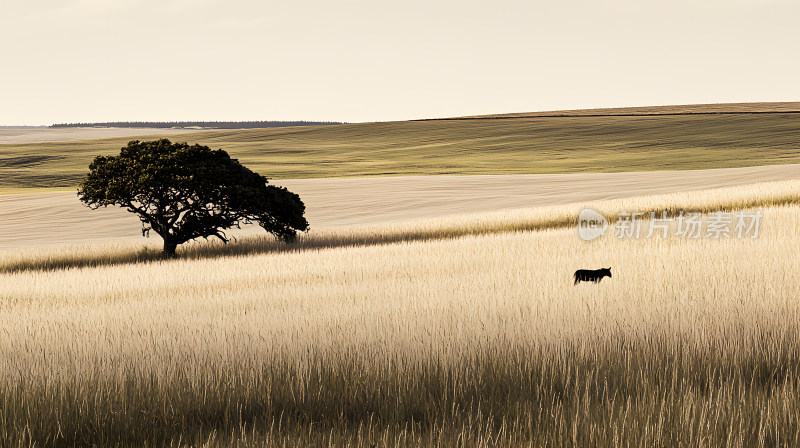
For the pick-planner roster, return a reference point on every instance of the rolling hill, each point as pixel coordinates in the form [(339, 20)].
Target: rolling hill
[(517, 145), (684, 109)]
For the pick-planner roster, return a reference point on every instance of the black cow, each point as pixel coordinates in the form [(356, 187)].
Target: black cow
[(589, 275)]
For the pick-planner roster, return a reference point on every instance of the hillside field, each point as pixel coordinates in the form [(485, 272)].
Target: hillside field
[(464, 331), (419, 310), (534, 145), (44, 218)]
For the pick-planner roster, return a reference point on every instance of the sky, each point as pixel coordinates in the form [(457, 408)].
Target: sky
[(359, 61)]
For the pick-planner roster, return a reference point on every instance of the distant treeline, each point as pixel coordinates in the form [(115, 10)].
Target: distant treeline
[(196, 124)]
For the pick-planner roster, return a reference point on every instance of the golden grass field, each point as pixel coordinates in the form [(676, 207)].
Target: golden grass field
[(533, 145), (460, 331), (46, 218)]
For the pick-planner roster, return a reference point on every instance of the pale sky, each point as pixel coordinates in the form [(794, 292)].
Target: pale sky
[(369, 60)]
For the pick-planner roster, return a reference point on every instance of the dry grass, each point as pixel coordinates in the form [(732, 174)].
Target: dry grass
[(47, 219), (481, 146), (477, 339), (765, 194)]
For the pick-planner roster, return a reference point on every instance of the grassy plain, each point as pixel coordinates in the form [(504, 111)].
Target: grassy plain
[(458, 332), (465, 146), (46, 218)]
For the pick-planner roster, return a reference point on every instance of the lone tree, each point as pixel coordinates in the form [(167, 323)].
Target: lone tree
[(185, 192)]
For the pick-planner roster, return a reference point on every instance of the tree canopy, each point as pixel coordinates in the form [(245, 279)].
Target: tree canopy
[(186, 192)]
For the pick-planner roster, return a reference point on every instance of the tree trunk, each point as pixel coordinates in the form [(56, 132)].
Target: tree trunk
[(169, 248)]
